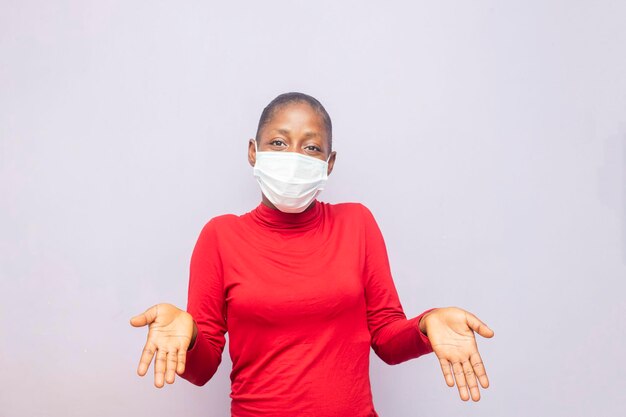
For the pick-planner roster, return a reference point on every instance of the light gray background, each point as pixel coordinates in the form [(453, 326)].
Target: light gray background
[(487, 137)]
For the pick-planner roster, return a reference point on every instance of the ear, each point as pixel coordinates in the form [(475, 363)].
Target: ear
[(251, 152), (331, 162)]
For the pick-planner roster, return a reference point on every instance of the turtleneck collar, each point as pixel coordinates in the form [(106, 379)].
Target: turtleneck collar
[(276, 219)]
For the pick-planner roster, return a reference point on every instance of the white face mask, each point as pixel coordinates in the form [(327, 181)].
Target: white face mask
[(290, 180)]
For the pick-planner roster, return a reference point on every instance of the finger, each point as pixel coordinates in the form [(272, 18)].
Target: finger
[(478, 326), (159, 367), (470, 378), (146, 317), (146, 357), (182, 358), (459, 375), (479, 369), (172, 362), (447, 374)]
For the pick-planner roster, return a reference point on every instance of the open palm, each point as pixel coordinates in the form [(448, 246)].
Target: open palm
[(170, 333), (451, 333)]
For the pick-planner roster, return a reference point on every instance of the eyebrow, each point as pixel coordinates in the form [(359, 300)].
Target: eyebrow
[(286, 132)]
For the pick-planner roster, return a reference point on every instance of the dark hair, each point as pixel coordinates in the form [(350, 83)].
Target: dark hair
[(291, 98)]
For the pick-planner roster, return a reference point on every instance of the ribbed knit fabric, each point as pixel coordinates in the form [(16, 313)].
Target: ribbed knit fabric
[(303, 297)]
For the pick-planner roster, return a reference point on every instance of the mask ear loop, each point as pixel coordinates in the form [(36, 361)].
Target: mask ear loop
[(255, 151)]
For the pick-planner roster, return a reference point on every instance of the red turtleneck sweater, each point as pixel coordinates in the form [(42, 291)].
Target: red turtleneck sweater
[(303, 296)]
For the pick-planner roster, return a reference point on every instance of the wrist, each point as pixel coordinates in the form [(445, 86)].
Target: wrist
[(423, 323), (194, 335)]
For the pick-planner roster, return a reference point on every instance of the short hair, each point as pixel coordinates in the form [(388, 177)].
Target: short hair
[(290, 98)]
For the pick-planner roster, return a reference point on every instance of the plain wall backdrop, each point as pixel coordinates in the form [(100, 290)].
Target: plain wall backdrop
[(487, 137)]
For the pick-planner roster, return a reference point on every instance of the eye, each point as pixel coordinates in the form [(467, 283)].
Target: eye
[(276, 141), (315, 148)]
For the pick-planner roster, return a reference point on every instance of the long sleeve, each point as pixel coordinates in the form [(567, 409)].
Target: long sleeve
[(395, 338), (206, 304)]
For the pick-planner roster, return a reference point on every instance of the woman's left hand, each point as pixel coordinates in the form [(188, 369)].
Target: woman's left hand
[(451, 333)]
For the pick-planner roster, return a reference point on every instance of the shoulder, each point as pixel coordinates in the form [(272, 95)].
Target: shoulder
[(223, 220), (218, 224), (352, 209)]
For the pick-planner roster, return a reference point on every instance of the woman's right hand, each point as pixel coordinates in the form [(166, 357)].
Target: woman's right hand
[(171, 331)]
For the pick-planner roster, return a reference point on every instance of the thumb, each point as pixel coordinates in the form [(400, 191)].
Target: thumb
[(478, 326), (146, 317)]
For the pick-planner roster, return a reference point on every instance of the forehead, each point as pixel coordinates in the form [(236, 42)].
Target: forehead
[(298, 111), (299, 116)]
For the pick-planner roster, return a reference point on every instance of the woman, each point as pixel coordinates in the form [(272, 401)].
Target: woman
[(304, 289)]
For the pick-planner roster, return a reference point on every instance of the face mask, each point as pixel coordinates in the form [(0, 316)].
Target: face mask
[(290, 180)]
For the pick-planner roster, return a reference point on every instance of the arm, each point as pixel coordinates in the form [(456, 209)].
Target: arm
[(395, 339), (206, 305)]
